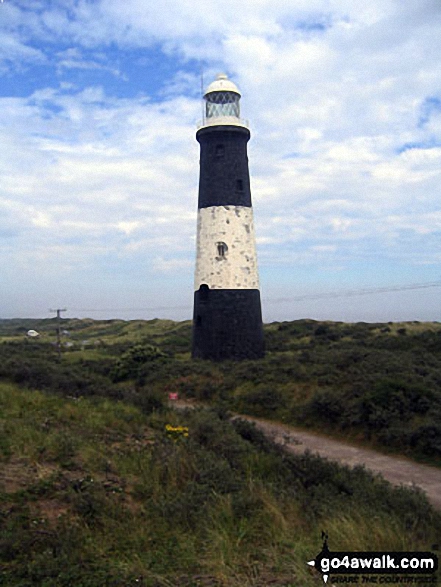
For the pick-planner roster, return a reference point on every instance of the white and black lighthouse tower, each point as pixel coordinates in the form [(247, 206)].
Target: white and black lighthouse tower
[(227, 320)]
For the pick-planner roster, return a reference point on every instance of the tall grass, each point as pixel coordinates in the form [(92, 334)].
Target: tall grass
[(94, 492)]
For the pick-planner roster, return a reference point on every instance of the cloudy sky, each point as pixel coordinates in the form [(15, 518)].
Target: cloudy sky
[(99, 101)]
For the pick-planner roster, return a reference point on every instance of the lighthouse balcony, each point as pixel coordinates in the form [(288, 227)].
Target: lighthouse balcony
[(219, 120)]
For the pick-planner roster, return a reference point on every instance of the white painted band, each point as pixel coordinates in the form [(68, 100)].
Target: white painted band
[(235, 267)]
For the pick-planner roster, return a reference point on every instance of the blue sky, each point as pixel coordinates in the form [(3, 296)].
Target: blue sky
[(99, 102)]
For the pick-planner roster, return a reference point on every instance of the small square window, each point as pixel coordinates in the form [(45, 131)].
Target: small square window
[(239, 185)]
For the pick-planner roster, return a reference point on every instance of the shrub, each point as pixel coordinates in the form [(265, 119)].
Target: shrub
[(325, 406), (133, 361), (427, 439), (262, 400)]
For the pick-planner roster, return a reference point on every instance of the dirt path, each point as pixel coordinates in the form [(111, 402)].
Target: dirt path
[(397, 470)]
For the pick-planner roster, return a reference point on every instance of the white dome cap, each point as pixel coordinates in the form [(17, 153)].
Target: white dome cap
[(222, 84)]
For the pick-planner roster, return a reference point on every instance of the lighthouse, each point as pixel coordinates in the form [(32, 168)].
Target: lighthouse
[(227, 318)]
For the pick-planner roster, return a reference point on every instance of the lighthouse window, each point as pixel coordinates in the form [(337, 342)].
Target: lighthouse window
[(220, 150), (221, 249), (239, 185), (222, 104)]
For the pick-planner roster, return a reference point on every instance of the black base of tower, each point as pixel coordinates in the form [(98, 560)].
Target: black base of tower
[(227, 324)]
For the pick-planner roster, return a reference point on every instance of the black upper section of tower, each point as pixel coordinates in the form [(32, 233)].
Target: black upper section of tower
[(224, 178)]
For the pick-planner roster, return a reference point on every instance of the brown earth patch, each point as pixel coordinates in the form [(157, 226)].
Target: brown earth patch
[(135, 442), (17, 474), (52, 510)]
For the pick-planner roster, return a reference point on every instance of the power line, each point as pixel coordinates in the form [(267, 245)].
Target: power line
[(356, 292), (150, 309), (58, 311), (300, 298)]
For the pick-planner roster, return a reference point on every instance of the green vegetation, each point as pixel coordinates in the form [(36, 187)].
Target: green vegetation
[(95, 491), (374, 383)]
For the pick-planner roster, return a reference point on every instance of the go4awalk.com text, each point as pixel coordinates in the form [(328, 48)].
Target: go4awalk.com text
[(380, 568)]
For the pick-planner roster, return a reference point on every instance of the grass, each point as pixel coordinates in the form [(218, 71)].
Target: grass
[(377, 384), (94, 492)]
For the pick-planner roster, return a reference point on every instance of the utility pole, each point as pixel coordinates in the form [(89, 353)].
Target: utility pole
[(58, 311)]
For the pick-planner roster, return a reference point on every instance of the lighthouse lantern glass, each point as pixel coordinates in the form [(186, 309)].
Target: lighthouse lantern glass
[(222, 104)]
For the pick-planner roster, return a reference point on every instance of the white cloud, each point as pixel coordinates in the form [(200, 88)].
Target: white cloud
[(92, 172), (172, 265), (13, 51), (73, 59)]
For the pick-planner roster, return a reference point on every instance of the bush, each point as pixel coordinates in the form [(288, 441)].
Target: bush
[(325, 406), (427, 439), (134, 360), (262, 400)]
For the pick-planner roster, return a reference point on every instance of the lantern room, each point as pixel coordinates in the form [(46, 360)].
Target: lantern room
[(221, 99)]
